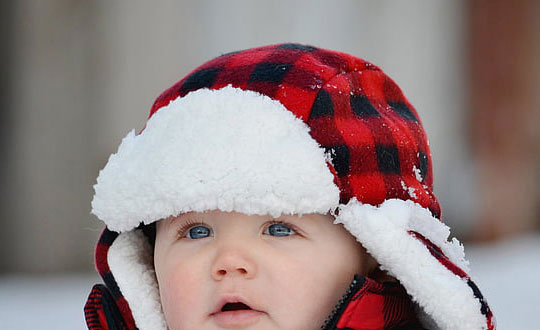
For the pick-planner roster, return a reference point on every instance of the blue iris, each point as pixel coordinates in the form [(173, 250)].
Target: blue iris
[(199, 232), (279, 229)]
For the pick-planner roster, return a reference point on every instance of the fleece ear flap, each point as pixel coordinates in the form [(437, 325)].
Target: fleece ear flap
[(412, 246), (130, 259)]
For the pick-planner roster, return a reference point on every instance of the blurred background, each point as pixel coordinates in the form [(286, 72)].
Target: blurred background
[(76, 76)]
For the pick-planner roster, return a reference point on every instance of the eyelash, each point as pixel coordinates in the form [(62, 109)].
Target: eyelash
[(290, 225), (183, 229)]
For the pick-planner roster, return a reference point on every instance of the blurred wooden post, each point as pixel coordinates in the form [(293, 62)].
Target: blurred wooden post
[(504, 44)]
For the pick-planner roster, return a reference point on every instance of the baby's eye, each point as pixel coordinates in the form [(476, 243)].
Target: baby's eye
[(279, 229), (198, 231)]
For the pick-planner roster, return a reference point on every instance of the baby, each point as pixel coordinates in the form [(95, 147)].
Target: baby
[(279, 187)]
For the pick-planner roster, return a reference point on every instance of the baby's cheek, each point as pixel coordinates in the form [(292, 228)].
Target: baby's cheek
[(181, 297), (307, 294), (329, 278)]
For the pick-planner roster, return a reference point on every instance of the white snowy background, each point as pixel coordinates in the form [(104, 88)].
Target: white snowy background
[(508, 274)]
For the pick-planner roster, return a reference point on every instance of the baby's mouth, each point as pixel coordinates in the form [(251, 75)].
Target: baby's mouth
[(236, 314), (234, 307)]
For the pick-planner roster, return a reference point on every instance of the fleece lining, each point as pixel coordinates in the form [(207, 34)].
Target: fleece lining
[(384, 232), (193, 157), (130, 259)]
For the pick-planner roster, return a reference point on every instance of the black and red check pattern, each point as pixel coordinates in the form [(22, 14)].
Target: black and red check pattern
[(443, 259), (101, 312), (106, 308), (374, 305), (357, 113)]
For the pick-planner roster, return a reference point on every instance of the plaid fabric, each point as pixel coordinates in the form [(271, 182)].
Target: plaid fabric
[(101, 312), (443, 259), (106, 307), (358, 114), (373, 305)]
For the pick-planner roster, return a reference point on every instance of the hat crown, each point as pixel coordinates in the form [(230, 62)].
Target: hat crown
[(374, 138)]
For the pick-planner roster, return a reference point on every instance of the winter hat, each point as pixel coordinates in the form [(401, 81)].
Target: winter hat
[(286, 129)]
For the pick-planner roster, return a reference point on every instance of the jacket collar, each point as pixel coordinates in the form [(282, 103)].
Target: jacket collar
[(368, 304)]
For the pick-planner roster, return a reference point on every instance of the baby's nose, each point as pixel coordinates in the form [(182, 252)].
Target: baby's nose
[(233, 263)]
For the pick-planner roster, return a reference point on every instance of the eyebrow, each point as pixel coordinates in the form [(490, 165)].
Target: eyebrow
[(182, 217)]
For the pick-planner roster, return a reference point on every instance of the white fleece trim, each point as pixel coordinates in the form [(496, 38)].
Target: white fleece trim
[(383, 231), (226, 149), (131, 262)]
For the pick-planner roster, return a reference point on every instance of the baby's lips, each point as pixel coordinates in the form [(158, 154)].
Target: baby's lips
[(234, 298)]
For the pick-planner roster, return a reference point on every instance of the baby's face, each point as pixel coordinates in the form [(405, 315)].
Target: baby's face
[(290, 271)]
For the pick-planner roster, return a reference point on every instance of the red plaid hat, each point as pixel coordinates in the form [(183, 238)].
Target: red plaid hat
[(294, 129)]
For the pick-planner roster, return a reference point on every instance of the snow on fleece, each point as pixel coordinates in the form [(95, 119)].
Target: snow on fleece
[(215, 149), (383, 231)]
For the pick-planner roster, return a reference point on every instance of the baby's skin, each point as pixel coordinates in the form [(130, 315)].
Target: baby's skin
[(228, 270)]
